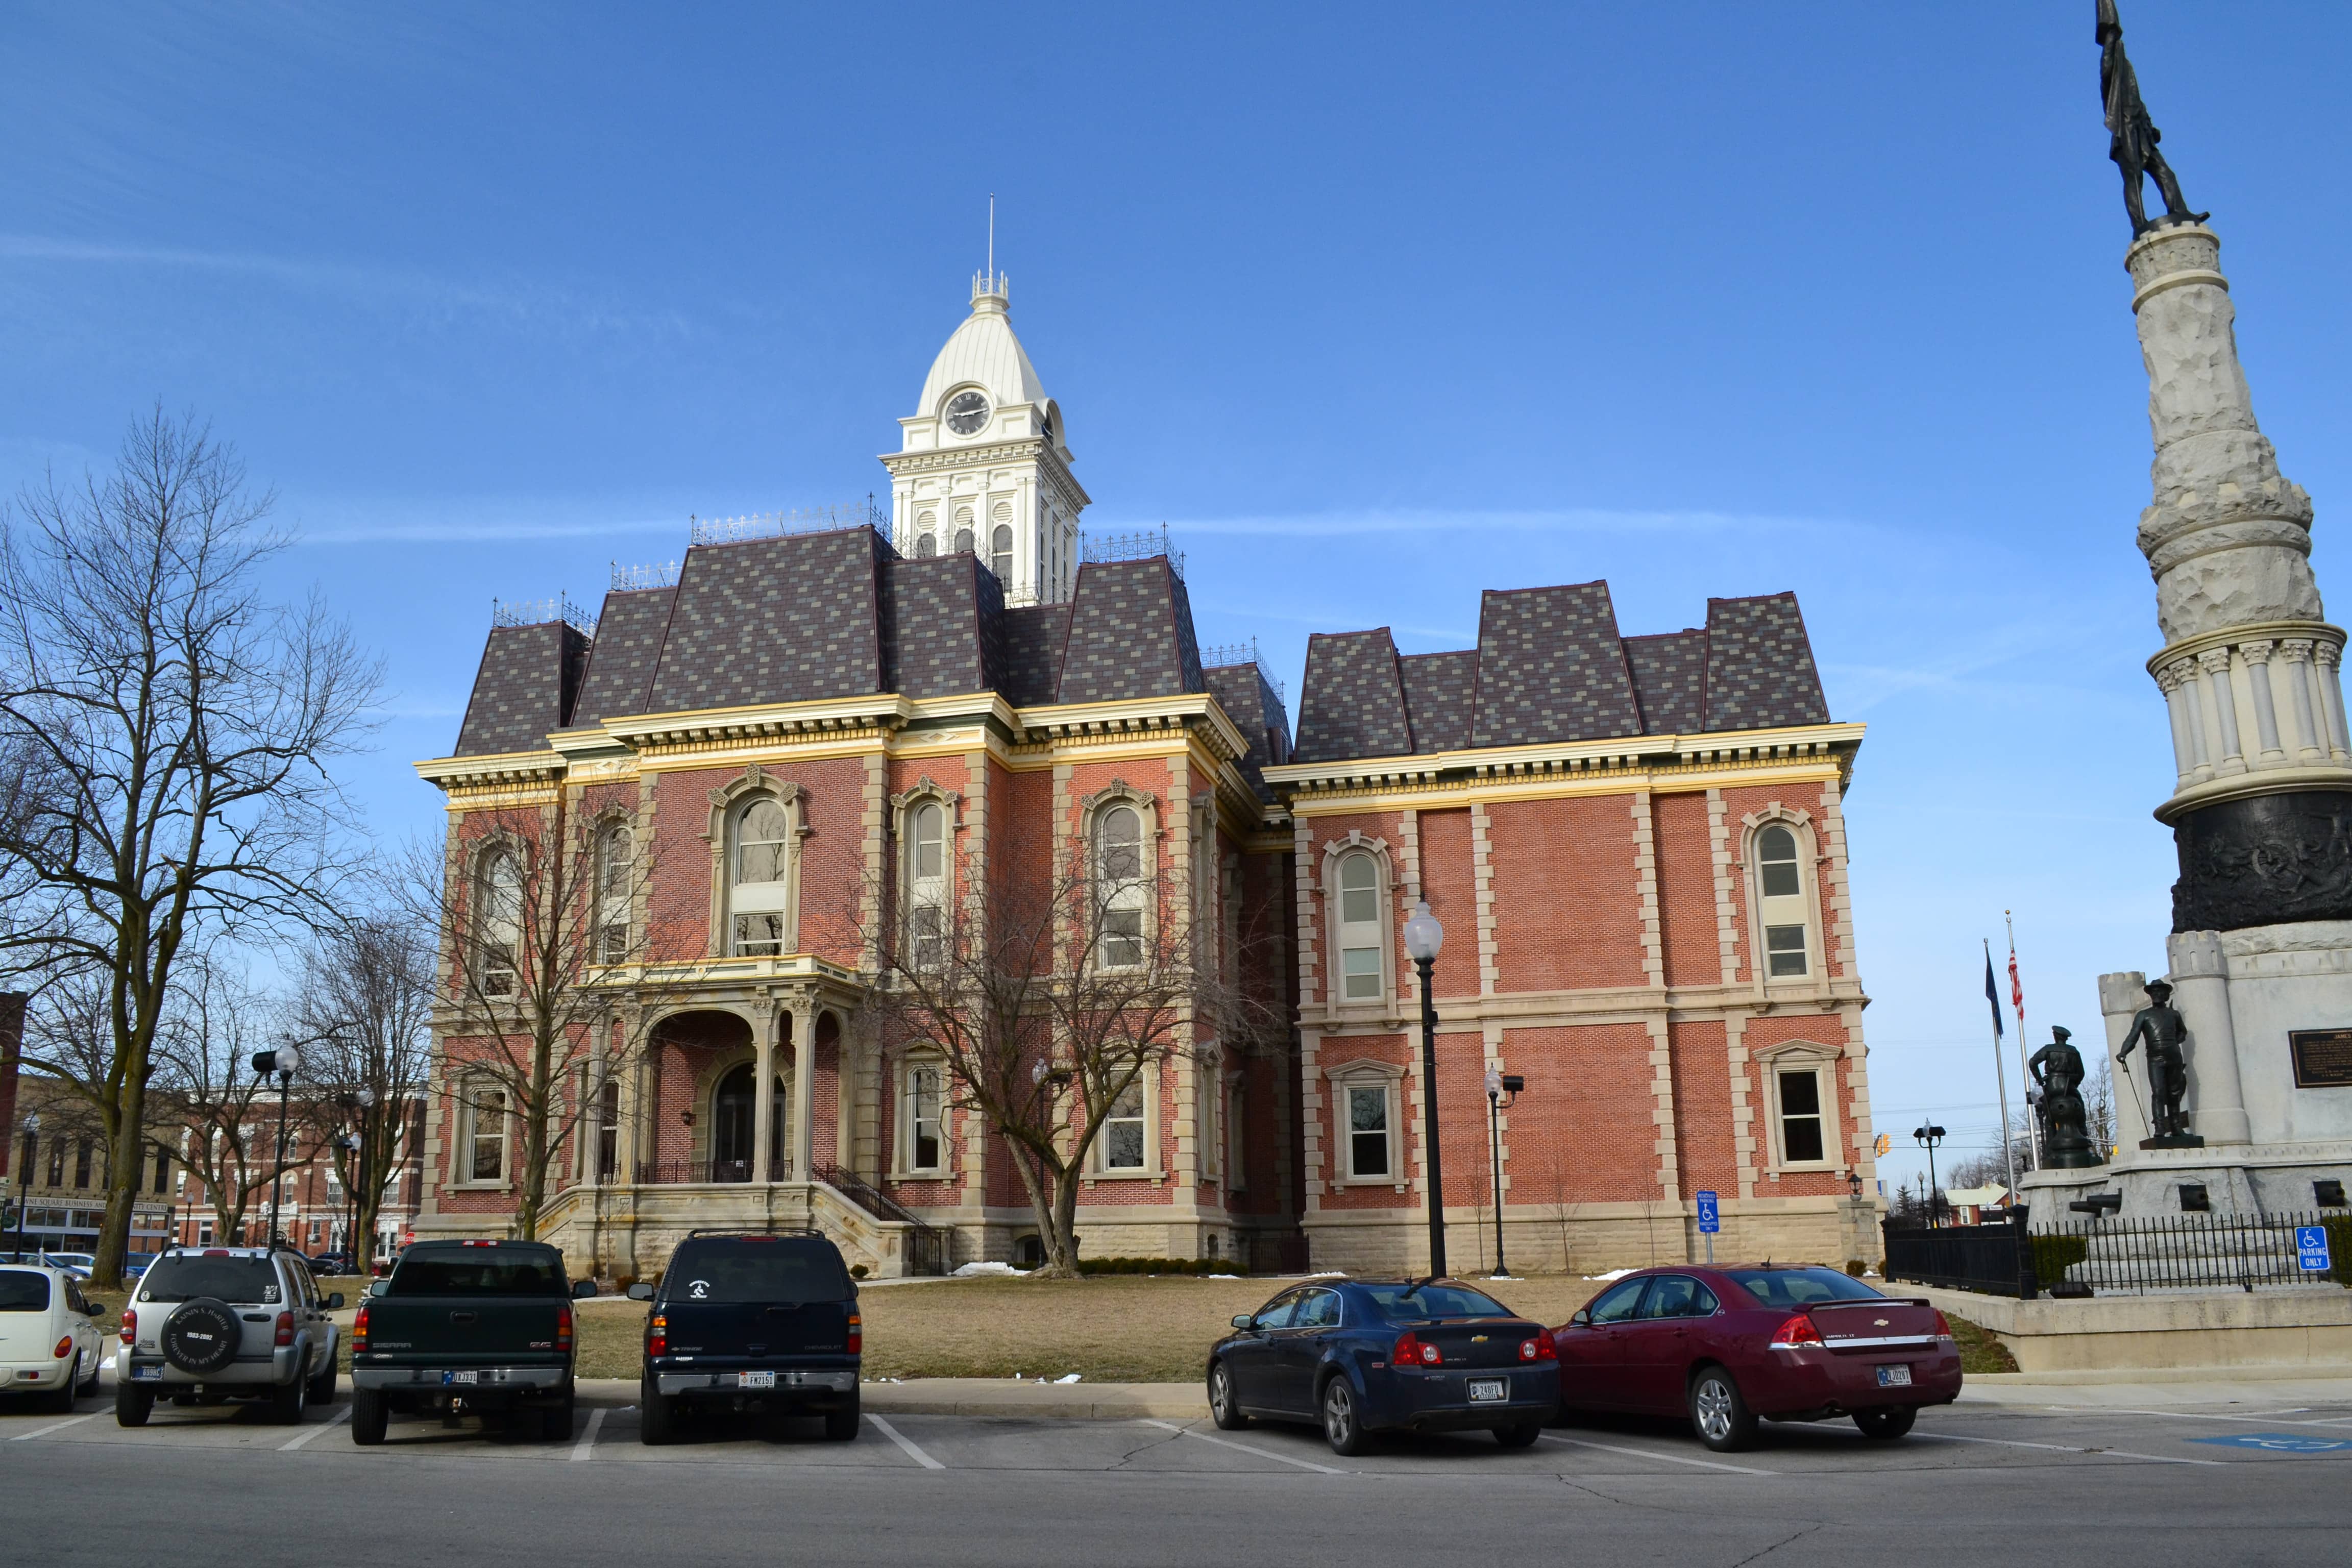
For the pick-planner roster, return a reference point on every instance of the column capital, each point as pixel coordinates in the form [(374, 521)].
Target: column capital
[(2215, 661), (2257, 651), (2326, 654), (2298, 649)]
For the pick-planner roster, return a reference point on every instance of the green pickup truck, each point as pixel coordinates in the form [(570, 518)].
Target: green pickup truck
[(466, 1328)]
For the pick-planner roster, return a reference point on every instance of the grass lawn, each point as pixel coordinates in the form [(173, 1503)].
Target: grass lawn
[(1980, 1352)]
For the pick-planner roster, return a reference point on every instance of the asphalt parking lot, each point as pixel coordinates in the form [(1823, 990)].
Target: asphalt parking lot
[(2247, 1483)]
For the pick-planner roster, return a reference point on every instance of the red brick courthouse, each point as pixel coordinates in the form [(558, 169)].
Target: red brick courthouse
[(1635, 844)]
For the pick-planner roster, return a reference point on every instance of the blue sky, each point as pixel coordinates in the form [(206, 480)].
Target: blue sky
[(1373, 306)]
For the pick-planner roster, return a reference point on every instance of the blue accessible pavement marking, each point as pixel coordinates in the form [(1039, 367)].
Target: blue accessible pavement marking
[(2279, 1442)]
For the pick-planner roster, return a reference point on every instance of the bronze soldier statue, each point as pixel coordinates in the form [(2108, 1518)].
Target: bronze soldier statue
[(2132, 137), (2167, 1068), (2057, 1068)]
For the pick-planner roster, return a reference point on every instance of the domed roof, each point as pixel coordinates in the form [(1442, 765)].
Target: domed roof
[(983, 350)]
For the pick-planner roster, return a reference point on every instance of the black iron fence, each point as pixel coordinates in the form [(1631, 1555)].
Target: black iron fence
[(2116, 1255), (927, 1246)]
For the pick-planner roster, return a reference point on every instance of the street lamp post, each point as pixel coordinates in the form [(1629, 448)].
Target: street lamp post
[(32, 1130), (284, 1061), (1423, 937), (1929, 1136), (1499, 1084)]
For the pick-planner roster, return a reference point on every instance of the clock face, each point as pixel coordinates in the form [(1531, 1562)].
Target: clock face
[(967, 412)]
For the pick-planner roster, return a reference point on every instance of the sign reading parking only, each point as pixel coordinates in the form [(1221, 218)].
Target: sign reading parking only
[(2311, 1248)]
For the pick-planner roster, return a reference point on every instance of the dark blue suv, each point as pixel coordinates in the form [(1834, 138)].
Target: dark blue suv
[(1367, 1356)]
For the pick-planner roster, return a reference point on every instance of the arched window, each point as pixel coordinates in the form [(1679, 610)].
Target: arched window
[(1118, 885), (963, 538), (1780, 903), (762, 890), (498, 922), (999, 552), (926, 883), (616, 858), (1363, 933), (925, 546)]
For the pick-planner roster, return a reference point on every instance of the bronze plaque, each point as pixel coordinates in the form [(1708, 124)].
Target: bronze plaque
[(2322, 1057)]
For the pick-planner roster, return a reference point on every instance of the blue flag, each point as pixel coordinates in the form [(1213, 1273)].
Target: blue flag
[(1992, 991)]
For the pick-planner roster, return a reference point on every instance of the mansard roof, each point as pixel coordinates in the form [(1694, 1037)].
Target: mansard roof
[(1550, 666), (805, 617)]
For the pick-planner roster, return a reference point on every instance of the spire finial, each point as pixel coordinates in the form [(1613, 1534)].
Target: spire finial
[(990, 290)]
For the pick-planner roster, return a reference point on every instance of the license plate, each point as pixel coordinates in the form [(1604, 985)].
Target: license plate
[(146, 1374), (1894, 1377), (449, 1377), (755, 1380), (1484, 1389)]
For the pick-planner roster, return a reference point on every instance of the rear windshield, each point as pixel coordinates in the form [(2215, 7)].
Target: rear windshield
[(756, 1271), (228, 1279), (482, 1273), (1434, 1301), (1802, 1287), (22, 1290)]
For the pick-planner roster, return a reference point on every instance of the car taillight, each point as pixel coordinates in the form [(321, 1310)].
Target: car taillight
[(1540, 1348), (657, 1336), (563, 1328), (1798, 1331), (1942, 1326), (64, 1348), (129, 1325), (857, 1334), (359, 1332), (1411, 1349), (285, 1328)]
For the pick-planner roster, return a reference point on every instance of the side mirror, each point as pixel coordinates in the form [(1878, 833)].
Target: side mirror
[(380, 1287), (1243, 1321), (1583, 1319), (98, 1308), (334, 1300), (641, 1291), (583, 1289)]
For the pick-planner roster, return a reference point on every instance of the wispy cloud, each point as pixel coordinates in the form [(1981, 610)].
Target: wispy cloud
[(457, 527), (1586, 520)]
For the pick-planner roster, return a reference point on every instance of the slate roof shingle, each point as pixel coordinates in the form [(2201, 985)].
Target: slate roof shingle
[(1353, 702), (524, 689), (628, 646)]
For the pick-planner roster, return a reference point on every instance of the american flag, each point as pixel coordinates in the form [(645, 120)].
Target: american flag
[(2016, 990)]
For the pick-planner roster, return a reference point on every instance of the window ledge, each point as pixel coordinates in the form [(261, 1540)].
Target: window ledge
[(1803, 1167), (1139, 1176), (936, 1174), (1371, 1181), (480, 1187)]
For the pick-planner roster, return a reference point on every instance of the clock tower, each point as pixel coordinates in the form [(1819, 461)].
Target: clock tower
[(983, 463)]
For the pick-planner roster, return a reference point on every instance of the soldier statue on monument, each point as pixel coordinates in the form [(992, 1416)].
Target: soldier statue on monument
[(2161, 1024), (2132, 137), (2057, 1069)]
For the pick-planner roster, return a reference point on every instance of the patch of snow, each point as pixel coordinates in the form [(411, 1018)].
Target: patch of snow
[(1223, 1276), (1508, 1278), (1073, 1377), (1612, 1274), (973, 1270)]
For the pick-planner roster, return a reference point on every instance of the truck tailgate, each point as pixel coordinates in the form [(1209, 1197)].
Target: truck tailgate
[(469, 1331)]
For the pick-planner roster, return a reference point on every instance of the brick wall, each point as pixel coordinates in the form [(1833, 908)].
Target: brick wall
[(1566, 895)]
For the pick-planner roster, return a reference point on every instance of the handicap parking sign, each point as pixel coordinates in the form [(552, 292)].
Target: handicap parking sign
[(1710, 1219), (2311, 1248), (2279, 1442)]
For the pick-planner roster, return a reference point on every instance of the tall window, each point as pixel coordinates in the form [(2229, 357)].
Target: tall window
[(58, 1162), (608, 1132), (1782, 902), (1360, 927), (762, 872), (1119, 851), (926, 1149), (486, 1135), (81, 1162), (927, 865), (1368, 1130), (498, 929), (32, 1155), (963, 527), (162, 1171), (963, 540), (925, 546), (1000, 552), (1209, 1107), (1123, 1131), (1236, 1139), (616, 858), (1802, 1138)]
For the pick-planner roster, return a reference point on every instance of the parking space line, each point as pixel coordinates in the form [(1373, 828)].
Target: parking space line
[(1245, 1448), (897, 1436), (59, 1426), (1653, 1454), (587, 1444), (2063, 1449), (2270, 1420), (293, 1443)]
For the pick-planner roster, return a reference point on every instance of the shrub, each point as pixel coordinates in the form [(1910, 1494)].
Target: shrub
[(2339, 1248), (2053, 1255), (858, 1271), (1856, 1266)]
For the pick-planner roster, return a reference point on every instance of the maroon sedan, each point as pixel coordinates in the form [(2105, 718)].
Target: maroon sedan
[(1725, 1345)]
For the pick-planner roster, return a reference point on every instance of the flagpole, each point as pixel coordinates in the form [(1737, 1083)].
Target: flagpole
[(2024, 1075), (2008, 1149)]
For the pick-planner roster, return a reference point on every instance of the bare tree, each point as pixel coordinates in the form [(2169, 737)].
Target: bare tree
[(1049, 1003), (367, 998), (218, 1116), (168, 736), (534, 905)]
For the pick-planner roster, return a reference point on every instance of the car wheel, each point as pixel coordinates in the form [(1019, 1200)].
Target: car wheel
[(1723, 1420), (323, 1388), (132, 1405), (655, 1415), (289, 1400), (1886, 1425), (1522, 1436), (555, 1426), (841, 1425), (90, 1385), (369, 1417), (1223, 1409), (1341, 1427), (57, 1400)]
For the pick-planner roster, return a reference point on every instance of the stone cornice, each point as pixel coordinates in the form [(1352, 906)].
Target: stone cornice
[(2232, 636), (1035, 448), (1196, 710), (504, 770)]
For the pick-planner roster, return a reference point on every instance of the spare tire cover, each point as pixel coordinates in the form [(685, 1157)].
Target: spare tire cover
[(202, 1335)]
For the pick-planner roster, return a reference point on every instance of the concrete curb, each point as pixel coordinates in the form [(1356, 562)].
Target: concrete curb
[(989, 1396), (2091, 1377)]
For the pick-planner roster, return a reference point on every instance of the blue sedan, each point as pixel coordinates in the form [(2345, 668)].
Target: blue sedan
[(1362, 1356)]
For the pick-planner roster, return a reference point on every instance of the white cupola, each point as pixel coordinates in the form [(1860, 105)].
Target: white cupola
[(983, 463)]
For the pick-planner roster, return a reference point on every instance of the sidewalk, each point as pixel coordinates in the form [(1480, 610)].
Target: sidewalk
[(2124, 1388)]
